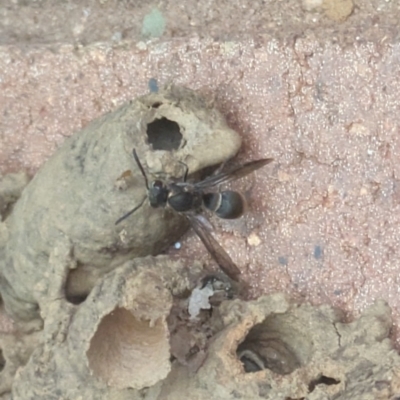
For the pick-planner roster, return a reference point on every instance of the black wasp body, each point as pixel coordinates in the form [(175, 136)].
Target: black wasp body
[(227, 204), (190, 198)]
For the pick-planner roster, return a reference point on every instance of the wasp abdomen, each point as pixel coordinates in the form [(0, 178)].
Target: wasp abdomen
[(227, 204)]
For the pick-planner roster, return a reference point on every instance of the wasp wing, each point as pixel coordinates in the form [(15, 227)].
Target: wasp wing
[(232, 174), (214, 248)]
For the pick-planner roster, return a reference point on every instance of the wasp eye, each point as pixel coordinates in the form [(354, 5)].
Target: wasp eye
[(157, 184)]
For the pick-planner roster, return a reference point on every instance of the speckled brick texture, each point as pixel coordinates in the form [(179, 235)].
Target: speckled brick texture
[(318, 95)]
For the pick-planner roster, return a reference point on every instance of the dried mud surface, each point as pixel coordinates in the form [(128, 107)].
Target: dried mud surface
[(308, 352), (59, 234), (72, 204), (118, 345), (114, 342)]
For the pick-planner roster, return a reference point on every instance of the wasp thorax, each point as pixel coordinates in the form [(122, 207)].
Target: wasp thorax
[(227, 204), (184, 201)]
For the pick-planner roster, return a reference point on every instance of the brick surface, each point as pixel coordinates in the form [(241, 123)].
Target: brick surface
[(318, 95)]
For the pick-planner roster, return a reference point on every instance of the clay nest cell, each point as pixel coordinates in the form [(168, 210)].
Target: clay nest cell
[(134, 338), (59, 236), (116, 341), (74, 201), (122, 340), (272, 349)]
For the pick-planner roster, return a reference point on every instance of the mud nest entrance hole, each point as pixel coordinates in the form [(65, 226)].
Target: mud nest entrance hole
[(164, 134), (125, 349), (275, 344), (322, 380), (282, 344)]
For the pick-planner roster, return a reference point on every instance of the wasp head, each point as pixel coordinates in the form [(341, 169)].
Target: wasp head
[(158, 194)]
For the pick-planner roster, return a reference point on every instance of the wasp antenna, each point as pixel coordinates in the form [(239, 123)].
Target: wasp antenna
[(130, 212), (185, 174), (135, 156)]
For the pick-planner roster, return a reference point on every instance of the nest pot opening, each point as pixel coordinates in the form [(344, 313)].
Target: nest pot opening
[(127, 352), (164, 134), (277, 344)]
